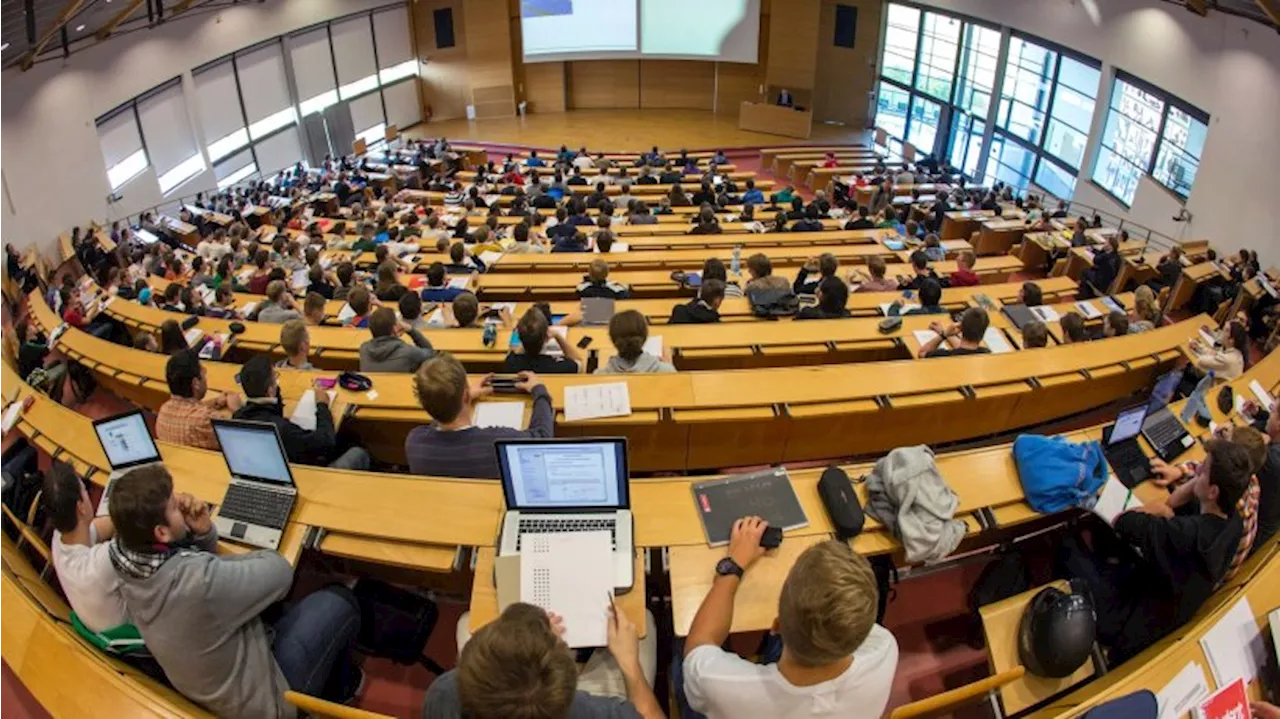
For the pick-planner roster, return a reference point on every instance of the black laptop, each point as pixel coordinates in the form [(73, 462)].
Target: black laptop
[(1121, 448)]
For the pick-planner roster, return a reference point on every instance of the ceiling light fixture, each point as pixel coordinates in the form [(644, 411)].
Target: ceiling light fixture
[(79, 28)]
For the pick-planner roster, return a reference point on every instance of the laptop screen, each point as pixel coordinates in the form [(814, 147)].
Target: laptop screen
[(253, 451), (564, 474), (126, 441), (1128, 424)]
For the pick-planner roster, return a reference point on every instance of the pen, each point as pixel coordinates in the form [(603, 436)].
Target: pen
[(1127, 498)]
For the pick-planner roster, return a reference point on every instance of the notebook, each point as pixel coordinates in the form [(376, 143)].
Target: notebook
[(768, 494)]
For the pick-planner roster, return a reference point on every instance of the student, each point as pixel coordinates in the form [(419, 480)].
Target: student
[(437, 288), (279, 307), (534, 161), (707, 223), (930, 301), (1030, 295), (876, 267), (825, 265), (810, 223), (80, 554), (785, 99), (462, 312), (1035, 334), (1141, 596), (185, 417), (762, 278), (1146, 312), (313, 310), (705, 309), (171, 338), (453, 446), (597, 284), (964, 276), (1228, 361), (388, 287), (533, 330), (862, 221), (1097, 280), (1269, 484), (1115, 323), (569, 239), (628, 330), (518, 666), (833, 295), (461, 260), (346, 273), (922, 273), (386, 352), (1072, 328), (970, 330), (200, 613), (835, 660), (752, 196), (296, 343)]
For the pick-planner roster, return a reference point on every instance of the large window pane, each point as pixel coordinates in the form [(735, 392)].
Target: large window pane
[(902, 35), (1065, 143), (1180, 149), (891, 109), (925, 115), (1009, 162), (978, 58), (1116, 175), (1056, 180), (966, 143), (1028, 81), (938, 48)]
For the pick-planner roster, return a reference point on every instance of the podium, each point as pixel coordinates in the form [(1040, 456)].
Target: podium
[(775, 120)]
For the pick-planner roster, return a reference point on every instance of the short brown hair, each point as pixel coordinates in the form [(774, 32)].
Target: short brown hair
[(275, 289), (1118, 322), (966, 259), (516, 668), (1255, 443), (1072, 324), (292, 334), (828, 604), (382, 323), (314, 303), (138, 502), (973, 324), (877, 267), (358, 298), (466, 308), (1035, 334), (598, 271), (439, 384), (532, 330), (759, 265), (628, 331)]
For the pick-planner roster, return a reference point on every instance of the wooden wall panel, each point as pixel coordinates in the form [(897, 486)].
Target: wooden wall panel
[(488, 33), (684, 84), (446, 87), (844, 75), (596, 84), (544, 86), (738, 82), (793, 39)]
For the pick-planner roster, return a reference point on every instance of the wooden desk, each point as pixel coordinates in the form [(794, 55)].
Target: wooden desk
[(784, 164), (775, 120), (769, 154), (1190, 279), (997, 236)]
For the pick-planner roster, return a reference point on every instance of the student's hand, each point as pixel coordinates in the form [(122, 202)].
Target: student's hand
[(937, 328), (232, 400), (195, 513), (482, 390), (1165, 473), (953, 330), (557, 624), (744, 541), (320, 390), (1264, 710), (624, 640), (811, 264), (527, 381)]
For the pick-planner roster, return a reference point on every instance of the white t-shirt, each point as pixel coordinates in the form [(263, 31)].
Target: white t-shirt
[(90, 582), (723, 685)]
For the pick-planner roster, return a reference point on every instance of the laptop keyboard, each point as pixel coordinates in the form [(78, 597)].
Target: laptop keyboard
[(256, 505), (545, 526), (1165, 432)]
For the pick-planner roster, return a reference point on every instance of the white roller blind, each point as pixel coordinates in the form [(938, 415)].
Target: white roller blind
[(234, 169), (403, 109), (279, 151), (366, 112), (119, 138), (391, 32), (312, 63), (167, 129), (262, 82), (353, 49), (218, 107)]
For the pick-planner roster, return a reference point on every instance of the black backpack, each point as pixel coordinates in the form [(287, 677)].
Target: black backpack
[(773, 303), (395, 623)]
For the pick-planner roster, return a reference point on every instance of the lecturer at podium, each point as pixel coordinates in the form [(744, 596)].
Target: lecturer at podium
[(785, 99)]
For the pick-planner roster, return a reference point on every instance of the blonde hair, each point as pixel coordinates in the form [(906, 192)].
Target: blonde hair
[(1144, 306), (439, 384), (292, 334), (1255, 443), (828, 604)]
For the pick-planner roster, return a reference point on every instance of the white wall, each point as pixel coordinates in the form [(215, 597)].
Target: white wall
[(52, 165), (1222, 64)]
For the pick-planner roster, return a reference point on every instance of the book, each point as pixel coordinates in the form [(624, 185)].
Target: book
[(768, 494)]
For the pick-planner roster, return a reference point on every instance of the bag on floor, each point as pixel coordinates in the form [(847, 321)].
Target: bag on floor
[(22, 479), (773, 303), (1056, 474), (395, 623)]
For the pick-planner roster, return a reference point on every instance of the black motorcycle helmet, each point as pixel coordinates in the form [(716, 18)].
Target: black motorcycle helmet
[(1057, 632)]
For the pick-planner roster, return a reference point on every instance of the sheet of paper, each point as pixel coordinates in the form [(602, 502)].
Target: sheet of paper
[(510, 307), (590, 401), (995, 341), (346, 313), (193, 335), (300, 278), (1234, 646), (1088, 310), (459, 282), (884, 308), (11, 415), (1207, 338), (1183, 692), (653, 345), (248, 308), (500, 414), (924, 336), (1264, 399), (552, 347), (304, 413), (620, 247), (1046, 314), (490, 258), (571, 574), (1111, 305), (1115, 499)]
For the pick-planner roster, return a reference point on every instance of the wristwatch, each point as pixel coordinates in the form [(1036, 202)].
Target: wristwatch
[(727, 567)]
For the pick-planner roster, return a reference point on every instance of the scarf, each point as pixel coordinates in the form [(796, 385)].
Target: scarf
[(139, 564)]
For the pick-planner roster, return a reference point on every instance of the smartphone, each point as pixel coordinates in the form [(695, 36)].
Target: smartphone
[(908, 294), (327, 382), (771, 538), (504, 385), (584, 342)]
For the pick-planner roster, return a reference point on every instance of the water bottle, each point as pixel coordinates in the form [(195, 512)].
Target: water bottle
[(737, 259)]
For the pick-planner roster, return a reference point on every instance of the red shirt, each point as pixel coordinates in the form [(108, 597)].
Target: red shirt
[(964, 278), (73, 316), (258, 284), (830, 163)]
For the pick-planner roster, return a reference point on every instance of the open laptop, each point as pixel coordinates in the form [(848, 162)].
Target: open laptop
[(261, 495), (597, 310), (127, 444), (568, 485), (1162, 428), (1120, 447)]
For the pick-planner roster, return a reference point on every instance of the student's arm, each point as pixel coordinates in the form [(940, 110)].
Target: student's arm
[(940, 335), (418, 340), (240, 587), (624, 645), (570, 351), (323, 438), (715, 617), (103, 527), (542, 421)]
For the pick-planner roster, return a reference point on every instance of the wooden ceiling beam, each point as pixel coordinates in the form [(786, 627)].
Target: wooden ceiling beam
[(1272, 9), (181, 7), (68, 11), (105, 31)]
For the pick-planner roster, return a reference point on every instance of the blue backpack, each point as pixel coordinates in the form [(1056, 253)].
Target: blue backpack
[(1057, 474)]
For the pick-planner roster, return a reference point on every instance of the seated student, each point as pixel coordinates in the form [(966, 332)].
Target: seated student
[(1072, 324), (862, 221), (279, 307), (1146, 312), (835, 661), (534, 161), (1035, 334), (360, 302), (877, 282), (80, 553), (386, 352), (825, 265), (970, 330), (346, 273), (1115, 323), (596, 283), (185, 417), (713, 269), (437, 288), (930, 296), (707, 223), (452, 446), (810, 223), (1169, 267), (1097, 280), (704, 195), (518, 666), (462, 312), (522, 244), (964, 276), (462, 261), (533, 330), (388, 287), (263, 403), (705, 309), (1226, 361), (1030, 295), (313, 309), (796, 213), (569, 239), (762, 278), (296, 343), (752, 196), (921, 273), (833, 295), (629, 330), (1140, 596), (200, 613)]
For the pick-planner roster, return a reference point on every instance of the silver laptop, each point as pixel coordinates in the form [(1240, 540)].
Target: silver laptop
[(261, 495), (568, 485), (597, 310), (127, 444)]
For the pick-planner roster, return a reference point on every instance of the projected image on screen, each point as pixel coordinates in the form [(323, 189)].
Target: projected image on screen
[(543, 8), (722, 29), (719, 30), (552, 28)]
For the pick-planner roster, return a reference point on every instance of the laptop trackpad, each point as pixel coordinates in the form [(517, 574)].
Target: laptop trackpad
[(238, 529)]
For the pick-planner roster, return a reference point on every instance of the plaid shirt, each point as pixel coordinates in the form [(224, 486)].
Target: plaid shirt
[(185, 421)]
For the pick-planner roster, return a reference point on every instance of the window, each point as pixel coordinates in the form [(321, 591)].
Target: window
[(978, 58), (925, 115), (235, 169), (171, 144), (1055, 179), (1180, 146), (224, 146), (902, 34), (271, 123), (408, 68), (1072, 113), (1010, 162), (236, 176), (312, 61), (966, 143), (359, 87), (353, 55), (128, 168), (373, 135), (1024, 97), (938, 49), (891, 109), (184, 171), (318, 103), (1128, 140), (219, 109), (265, 92), (122, 149), (395, 49)]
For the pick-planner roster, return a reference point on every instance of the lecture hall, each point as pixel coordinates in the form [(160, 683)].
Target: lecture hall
[(555, 359)]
